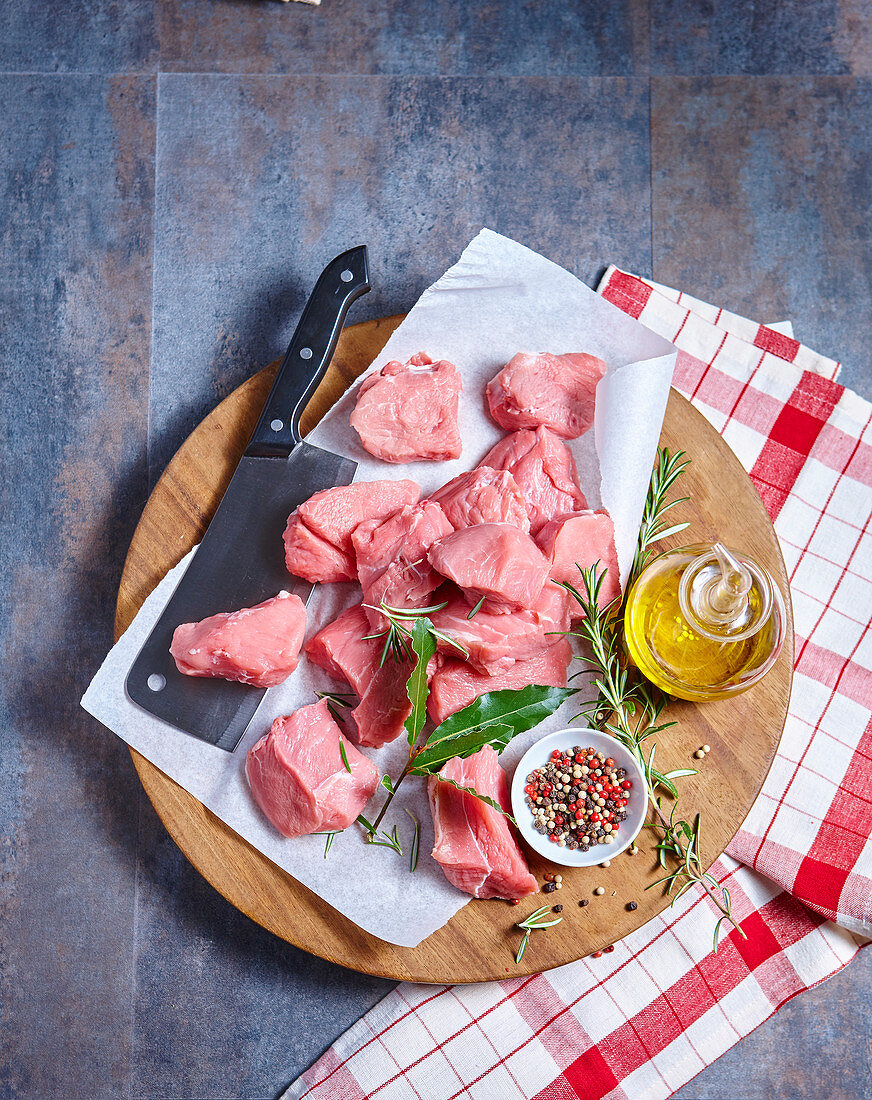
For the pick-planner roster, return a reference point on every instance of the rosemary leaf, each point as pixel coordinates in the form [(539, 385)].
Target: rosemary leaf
[(416, 838), (342, 753), (717, 931), (476, 609)]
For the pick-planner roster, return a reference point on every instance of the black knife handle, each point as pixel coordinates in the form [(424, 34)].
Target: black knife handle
[(309, 353)]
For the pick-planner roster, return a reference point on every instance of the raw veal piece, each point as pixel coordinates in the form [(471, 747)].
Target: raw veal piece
[(581, 539), (409, 412), (455, 684), (494, 642), (298, 777), (482, 495), (544, 390), (495, 561), (257, 645), (314, 559), (544, 469), (345, 651), (318, 535), (392, 557), (474, 843)]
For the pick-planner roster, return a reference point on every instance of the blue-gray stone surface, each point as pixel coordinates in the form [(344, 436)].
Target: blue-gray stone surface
[(174, 175)]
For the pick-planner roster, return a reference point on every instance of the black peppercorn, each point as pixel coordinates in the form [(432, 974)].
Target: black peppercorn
[(556, 908), (632, 905), (583, 902)]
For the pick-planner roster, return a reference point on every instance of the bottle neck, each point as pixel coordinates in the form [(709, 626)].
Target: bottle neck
[(724, 596)]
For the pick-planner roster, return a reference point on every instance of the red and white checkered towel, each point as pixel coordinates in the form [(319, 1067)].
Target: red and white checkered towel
[(646, 1018)]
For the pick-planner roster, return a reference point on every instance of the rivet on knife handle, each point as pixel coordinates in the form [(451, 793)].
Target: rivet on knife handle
[(309, 353)]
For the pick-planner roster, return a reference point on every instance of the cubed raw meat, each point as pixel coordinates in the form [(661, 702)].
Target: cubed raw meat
[(475, 845), (545, 390), (482, 495), (544, 469), (455, 684), (492, 560), (582, 539), (344, 649), (494, 642), (256, 645), (392, 557), (405, 413), (313, 558), (298, 778), (318, 535)]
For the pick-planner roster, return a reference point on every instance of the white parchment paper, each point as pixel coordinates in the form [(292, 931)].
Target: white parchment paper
[(498, 299)]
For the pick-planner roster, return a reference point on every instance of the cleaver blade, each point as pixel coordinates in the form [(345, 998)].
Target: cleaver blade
[(240, 560)]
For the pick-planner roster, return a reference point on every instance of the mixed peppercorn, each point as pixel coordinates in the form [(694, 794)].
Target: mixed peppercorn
[(577, 799)]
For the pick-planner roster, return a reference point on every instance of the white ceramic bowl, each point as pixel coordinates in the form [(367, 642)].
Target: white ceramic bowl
[(538, 755)]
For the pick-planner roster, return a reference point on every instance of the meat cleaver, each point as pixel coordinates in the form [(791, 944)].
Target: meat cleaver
[(240, 560)]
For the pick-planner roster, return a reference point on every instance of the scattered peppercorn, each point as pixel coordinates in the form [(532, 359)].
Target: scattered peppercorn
[(632, 905), (582, 903), (706, 749), (549, 887), (611, 947), (600, 890), (556, 908), (514, 901), (597, 954), (699, 754)]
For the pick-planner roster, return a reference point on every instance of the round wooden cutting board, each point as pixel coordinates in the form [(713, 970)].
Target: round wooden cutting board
[(480, 942)]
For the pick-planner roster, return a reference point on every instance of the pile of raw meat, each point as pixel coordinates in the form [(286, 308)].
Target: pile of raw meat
[(489, 545)]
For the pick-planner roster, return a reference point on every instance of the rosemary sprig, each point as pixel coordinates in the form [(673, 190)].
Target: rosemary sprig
[(336, 699), (629, 708), (398, 633), (380, 839), (667, 470), (530, 924)]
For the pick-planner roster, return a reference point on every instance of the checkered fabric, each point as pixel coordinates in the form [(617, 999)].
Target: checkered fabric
[(641, 1021)]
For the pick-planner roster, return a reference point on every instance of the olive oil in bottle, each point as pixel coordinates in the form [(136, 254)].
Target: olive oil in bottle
[(704, 622)]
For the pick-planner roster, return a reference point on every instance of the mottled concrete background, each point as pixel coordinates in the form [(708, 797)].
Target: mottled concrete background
[(175, 174)]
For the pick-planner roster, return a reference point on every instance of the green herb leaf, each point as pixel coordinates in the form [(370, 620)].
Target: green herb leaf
[(416, 839), (387, 783), (433, 757), (522, 949), (342, 754), (424, 646), (476, 609), (330, 838), (518, 709)]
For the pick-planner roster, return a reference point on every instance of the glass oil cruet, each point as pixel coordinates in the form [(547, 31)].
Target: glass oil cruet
[(704, 622)]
